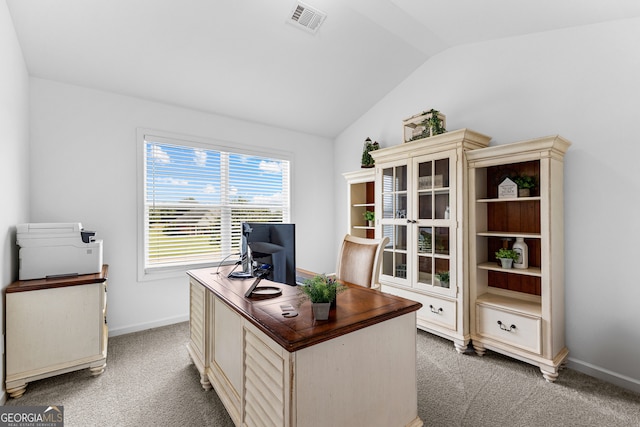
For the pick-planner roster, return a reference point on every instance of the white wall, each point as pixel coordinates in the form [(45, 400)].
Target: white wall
[(14, 134), (83, 168), (14, 160), (581, 83)]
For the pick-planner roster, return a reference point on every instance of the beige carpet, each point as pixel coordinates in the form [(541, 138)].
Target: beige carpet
[(150, 381)]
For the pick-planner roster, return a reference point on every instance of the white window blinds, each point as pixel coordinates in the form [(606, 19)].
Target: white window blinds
[(195, 200)]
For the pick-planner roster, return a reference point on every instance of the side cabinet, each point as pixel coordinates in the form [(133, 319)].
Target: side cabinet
[(519, 311), (360, 199), (55, 326), (422, 206)]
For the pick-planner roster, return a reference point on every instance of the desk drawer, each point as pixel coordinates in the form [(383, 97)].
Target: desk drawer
[(515, 329), (439, 311)]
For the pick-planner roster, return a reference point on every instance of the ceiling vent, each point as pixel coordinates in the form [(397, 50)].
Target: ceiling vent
[(306, 17)]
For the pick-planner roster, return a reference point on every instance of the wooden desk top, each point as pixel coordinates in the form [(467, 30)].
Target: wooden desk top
[(58, 282), (356, 308)]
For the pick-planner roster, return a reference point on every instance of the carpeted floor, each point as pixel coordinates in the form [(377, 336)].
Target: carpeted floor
[(150, 381)]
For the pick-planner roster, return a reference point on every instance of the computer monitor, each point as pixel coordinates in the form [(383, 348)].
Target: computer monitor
[(273, 244)]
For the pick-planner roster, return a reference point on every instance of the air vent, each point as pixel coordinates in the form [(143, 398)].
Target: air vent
[(306, 17)]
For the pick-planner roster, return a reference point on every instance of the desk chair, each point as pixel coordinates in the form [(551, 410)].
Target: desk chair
[(359, 261)]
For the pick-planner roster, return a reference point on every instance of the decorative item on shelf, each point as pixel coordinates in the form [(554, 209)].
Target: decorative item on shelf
[(447, 213), (523, 253), (401, 271), (424, 125), (424, 242), (443, 277), (321, 290), (525, 184), (370, 217), (367, 160), (426, 182), (506, 257), (507, 189)]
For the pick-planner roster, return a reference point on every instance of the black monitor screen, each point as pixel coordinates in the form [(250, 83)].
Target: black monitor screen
[(274, 244)]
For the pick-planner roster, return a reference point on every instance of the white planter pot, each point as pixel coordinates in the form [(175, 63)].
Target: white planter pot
[(506, 262), (321, 310)]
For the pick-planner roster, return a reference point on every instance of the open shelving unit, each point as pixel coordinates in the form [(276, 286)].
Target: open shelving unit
[(360, 198), (518, 312)]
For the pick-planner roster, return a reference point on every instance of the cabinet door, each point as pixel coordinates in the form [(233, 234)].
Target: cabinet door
[(393, 204), (53, 328), (433, 225)]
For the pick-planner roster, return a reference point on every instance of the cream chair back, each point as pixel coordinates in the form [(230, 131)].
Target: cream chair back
[(359, 261)]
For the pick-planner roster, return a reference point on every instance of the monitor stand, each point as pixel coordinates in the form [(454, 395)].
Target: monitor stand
[(239, 275)]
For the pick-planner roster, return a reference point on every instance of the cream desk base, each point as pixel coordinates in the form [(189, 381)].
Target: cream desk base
[(357, 368), (55, 326)]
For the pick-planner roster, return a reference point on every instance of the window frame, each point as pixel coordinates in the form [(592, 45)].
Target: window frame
[(157, 273)]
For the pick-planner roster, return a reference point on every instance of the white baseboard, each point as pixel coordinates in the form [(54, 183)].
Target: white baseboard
[(150, 325), (604, 374)]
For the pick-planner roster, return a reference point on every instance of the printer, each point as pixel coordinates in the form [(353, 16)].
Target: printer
[(57, 249)]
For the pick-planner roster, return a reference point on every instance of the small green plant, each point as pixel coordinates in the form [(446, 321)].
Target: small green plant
[(369, 215), (321, 288), (525, 181), (507, 254), (443, 276)]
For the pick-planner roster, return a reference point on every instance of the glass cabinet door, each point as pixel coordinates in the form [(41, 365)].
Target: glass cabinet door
[(394, 221), (434, 213)]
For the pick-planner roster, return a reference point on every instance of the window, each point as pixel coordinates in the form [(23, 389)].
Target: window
[(197, 195)]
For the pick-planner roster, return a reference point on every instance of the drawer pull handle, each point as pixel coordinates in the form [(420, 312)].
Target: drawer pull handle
[(433, 310), (504, 327)]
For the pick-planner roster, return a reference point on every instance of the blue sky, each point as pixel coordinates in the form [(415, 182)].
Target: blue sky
[(183, 172)]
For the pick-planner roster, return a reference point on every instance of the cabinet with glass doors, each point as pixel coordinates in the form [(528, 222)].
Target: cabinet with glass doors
[(422, 204)]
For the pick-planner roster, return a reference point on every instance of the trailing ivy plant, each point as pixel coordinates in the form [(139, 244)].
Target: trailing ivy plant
[(432, 125)]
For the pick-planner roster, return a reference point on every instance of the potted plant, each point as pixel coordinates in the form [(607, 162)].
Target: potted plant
[(367, 160), (506, 257), (321, 290), (525, 184), (443, 277), (369, 216)]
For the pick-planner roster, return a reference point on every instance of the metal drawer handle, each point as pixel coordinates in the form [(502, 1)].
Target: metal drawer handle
[(438, 311), (504, 327)]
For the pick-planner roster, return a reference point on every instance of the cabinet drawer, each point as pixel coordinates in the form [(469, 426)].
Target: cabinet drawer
[(439, 311), (516, 329)]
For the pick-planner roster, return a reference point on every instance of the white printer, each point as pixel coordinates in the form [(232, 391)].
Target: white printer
[(57, 249)]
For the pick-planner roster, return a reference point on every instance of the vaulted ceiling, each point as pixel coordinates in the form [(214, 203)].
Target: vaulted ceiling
[(241, 58)]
